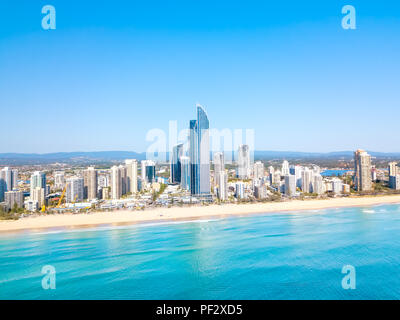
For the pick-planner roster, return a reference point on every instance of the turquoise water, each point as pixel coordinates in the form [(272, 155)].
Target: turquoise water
[(271, 256), (334, 173)]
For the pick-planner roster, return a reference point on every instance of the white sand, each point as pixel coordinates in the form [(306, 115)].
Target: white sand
[(186, 213)]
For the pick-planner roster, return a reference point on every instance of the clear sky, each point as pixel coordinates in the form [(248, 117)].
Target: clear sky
[(112, 70)]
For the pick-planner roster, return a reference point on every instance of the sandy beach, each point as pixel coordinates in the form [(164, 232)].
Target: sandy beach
[(185, 213)]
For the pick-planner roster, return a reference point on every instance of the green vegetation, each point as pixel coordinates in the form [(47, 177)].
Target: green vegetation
[(276, 196), (157, 194), (162, 188), (310, 194), (126, 195), (16, 209), (381, 187), (8, 216), (233, 179), (12, 214), (348, 180)]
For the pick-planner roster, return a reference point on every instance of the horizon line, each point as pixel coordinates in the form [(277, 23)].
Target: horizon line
[(143, 152)]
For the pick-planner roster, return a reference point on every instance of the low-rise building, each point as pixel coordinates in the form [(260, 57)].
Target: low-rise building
[(31, 205), (14, 198)]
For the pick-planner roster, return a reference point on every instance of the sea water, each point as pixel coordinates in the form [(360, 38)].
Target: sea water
[(265, 256)]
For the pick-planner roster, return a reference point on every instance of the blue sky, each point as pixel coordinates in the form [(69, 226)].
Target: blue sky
[(113, 70)]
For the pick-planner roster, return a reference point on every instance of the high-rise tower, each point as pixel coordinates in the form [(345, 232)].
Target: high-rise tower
[(131, 175), (244, 169), (176, 169), (200, 154), (90, 183), (362, 167)]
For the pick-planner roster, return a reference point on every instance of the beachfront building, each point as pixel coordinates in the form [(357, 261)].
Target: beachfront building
[(116, 183), (394, 176), (199, 151), (244, 169), (123, 172), (14, 199), (31, 205), (38, 195), (337, 186), (318, 185), (239, 190), (131, 175), (90, 183), (306, 180), (185, 173), (222, 187), (260, 191), (75, 190), (290, 185), (362, 169)]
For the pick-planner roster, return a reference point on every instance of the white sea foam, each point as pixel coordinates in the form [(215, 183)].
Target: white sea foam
[(368, 211)]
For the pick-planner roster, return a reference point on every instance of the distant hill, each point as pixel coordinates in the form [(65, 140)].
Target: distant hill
[(69, 157), (345, 155), (319, 155), (108, 156)]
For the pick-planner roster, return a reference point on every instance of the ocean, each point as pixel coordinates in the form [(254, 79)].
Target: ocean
[(266, 256)]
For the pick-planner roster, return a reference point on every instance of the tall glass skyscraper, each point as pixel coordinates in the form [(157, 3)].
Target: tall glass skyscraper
[(151, 173), (148, 171), (2, 189), (185, 173), (38, 180), (177, 153), (8, 181), (199, 154)]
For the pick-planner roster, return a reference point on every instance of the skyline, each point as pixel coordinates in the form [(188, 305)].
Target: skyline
[(104, 79)]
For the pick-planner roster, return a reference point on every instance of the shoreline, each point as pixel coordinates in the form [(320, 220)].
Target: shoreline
[(127, 217)]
